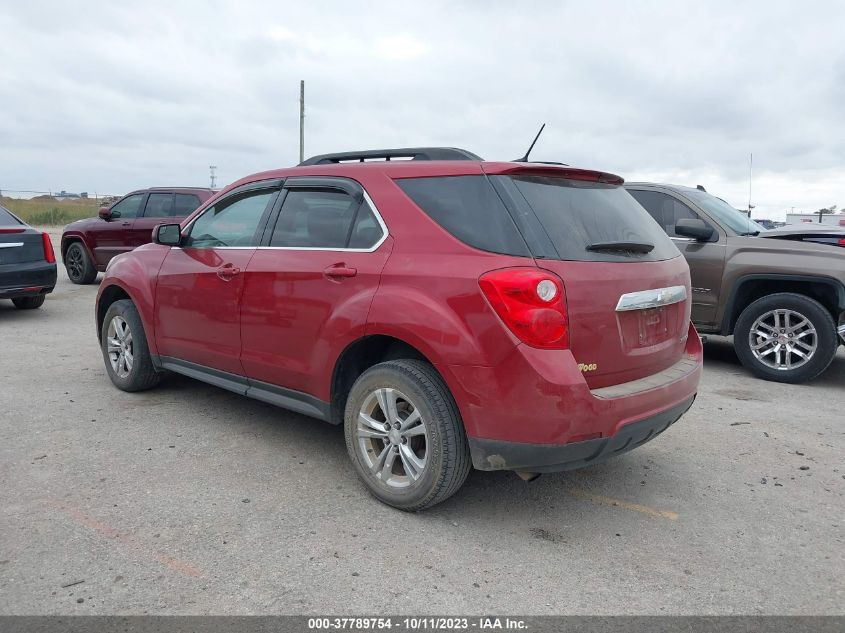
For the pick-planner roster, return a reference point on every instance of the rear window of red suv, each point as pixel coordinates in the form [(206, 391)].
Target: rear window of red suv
[(551, 218)]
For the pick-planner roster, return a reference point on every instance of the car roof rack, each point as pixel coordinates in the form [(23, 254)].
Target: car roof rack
[(406, 153)]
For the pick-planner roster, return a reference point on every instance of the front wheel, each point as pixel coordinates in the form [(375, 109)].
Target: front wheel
[(80, 269), (405, 436), (786, 337), (125, 351)]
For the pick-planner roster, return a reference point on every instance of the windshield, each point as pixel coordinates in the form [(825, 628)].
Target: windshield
[(732, 218)]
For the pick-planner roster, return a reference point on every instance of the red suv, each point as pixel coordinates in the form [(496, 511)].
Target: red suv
[(449, 312), (89, 244)]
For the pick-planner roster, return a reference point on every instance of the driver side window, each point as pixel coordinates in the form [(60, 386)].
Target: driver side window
[(128, 207), (231, 222), (665, 209)]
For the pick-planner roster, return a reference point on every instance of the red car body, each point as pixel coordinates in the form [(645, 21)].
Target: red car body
[(290, 325), (105, 236)]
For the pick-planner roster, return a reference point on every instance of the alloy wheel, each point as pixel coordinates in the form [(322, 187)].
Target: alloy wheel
[(783, 339), (74, 264), (119, 347), (392, 437)]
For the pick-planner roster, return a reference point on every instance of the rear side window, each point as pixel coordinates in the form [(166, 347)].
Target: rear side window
[(7, 219), (470, 209), (315, 218), (184, 204), (579, 216), (158, 205)]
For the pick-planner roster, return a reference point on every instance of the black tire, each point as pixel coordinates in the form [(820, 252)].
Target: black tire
[(79, 267), (142, 374), (29, 303), (447, 459), (813, 311)]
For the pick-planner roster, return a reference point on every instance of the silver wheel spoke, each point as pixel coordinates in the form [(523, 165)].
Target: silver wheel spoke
[(378, 464), (388, 463), (413, 464), (387, 402), (365, 422)]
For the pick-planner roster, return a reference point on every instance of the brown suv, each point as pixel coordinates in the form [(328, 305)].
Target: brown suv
[(782, 299)]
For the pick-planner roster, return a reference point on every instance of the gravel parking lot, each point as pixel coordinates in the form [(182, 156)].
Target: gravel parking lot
[(191, 499)]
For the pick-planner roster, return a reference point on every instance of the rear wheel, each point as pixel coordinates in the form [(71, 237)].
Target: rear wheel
[(80, 269), (786, 337), (125, 351), (29, 303), (404, 435)]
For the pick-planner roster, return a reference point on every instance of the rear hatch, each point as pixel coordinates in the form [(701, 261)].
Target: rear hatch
[(19, 243), (627, 285)]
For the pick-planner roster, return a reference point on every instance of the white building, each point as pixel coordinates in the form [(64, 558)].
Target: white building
[(834, 219)]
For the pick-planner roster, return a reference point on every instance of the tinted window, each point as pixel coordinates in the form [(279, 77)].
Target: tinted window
[(469, 208), (665, 209), (576, 214), (183, 204), (158, 205), (7, 219), (366, 231), (231, 222), (315, 218), (128, 207)]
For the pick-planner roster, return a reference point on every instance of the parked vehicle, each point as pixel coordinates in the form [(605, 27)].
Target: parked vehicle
[(780, 293), (88, 245), (27, 262), (818, 233), (449, 313)]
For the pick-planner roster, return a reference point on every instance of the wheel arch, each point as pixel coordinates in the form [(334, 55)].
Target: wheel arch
[(107, 296), (358, 357), (70, 238), (828, 291)]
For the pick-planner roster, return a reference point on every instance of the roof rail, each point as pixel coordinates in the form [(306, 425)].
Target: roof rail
[(412, 153)]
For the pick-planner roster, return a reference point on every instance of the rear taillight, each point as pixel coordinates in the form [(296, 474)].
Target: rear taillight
[(49, 254), (532, 304), (842, 242), (7, 231)]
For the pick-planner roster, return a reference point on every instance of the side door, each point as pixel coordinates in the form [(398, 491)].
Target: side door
[(706, 259), (200, 283), (157, 210), (309, 288), (113, 236)]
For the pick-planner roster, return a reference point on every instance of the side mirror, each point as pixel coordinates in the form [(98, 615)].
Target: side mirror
[(104, 213), (167, 234), (694, 228)]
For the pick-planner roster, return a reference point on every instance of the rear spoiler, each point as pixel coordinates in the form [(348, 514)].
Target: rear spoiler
[(553, 171)]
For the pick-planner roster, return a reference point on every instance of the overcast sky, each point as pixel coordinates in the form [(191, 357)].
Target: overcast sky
[(108, 97)]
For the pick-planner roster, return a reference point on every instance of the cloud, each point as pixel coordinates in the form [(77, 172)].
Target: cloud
[(114, 96)]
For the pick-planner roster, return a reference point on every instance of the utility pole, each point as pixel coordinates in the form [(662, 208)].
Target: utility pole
[(212, 171), (301, 120), (750, 168)]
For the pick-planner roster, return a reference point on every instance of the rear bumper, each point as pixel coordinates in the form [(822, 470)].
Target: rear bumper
[(546, 458), (538, 402), (26, 280)]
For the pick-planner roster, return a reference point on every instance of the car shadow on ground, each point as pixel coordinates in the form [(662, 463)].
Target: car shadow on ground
[(573, 497)]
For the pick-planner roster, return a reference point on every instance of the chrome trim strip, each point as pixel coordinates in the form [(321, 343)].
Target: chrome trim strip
[(645, 299), (841, 331), (384, 235), (681, 239), (10, 244)]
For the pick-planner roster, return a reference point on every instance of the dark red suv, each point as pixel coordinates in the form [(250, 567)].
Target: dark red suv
[(449, 312), (89, 244)]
